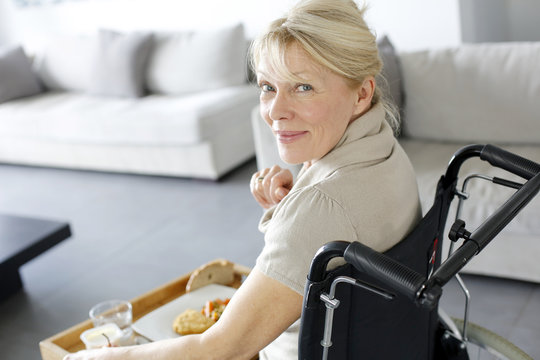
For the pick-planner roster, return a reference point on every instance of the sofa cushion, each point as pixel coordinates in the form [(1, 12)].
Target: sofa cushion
[(120, 63), (66, 63), (17, 78), (183, 62), (474, 93), (152, 120), (391, 84)]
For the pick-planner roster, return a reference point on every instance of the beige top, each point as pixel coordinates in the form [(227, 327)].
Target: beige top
[(363, 190)]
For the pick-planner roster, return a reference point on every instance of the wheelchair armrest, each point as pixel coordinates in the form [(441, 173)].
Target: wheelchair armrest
[(397, 276), (323, 256)]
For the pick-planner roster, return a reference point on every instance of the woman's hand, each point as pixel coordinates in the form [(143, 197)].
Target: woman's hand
[(158, 350), (269, 186), (105, 353)]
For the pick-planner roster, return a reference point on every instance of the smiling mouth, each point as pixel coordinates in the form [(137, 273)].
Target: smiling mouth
[(287, 137)]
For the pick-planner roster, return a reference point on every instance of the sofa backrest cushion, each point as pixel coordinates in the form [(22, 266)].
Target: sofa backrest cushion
[(120, 64), (183, 62), (473, 93), (17, 78), (66, 63), (391, 84)]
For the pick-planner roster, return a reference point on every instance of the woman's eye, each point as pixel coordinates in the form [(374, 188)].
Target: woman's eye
[(266, 88), (304, 87)]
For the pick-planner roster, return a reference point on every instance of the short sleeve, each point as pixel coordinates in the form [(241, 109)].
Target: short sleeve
[(300, 225)]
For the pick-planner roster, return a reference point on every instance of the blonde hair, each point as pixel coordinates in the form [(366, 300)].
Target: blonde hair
[(335, 35)]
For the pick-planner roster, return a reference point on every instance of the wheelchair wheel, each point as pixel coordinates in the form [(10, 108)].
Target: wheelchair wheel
[(485, 344)]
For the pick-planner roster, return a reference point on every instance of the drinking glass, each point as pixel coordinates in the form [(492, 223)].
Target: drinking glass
[(118, 312)]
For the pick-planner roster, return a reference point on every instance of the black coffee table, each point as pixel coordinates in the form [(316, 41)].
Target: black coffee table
[(21, 240)]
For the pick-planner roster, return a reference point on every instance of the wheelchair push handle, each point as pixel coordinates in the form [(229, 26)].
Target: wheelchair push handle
[(381, 267), (496, 156), (509, 161)]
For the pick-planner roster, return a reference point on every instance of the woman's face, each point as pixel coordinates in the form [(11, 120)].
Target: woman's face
[(309, 117)]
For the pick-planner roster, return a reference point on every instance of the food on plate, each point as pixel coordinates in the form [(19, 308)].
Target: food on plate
[(198, 321), (214, 309), (215, 272), (192, 322)]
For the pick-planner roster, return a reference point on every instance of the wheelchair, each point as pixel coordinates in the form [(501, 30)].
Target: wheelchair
[(387, 304)]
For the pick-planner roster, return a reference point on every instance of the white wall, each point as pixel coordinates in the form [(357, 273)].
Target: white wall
[(411, 24), (416, 24)]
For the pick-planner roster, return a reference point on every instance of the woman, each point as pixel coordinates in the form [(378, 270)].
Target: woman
[(316, 69)]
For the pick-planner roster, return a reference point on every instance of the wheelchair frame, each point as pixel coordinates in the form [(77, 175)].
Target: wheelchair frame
[(425, 290)]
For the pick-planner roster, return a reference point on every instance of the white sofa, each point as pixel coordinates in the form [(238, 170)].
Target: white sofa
[(482, 93), (173, 104)]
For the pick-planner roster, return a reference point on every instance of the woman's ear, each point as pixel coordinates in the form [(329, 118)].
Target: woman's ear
[(364, 95)]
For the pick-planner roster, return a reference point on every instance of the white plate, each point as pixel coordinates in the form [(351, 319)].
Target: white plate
[(157, 325)]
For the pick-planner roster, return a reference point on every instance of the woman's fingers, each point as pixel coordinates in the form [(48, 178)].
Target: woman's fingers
[(257, 188), (267, 183), (280, 185), (271, 185)]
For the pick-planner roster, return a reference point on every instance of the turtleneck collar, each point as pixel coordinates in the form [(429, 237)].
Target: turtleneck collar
[(366, 140)]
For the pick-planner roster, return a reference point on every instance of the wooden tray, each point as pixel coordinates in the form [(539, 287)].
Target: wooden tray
[(68, 341)]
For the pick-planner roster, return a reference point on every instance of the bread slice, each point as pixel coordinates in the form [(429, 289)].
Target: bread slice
[(215, 272)]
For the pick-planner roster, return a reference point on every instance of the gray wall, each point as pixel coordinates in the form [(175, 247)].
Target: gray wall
[(499, 20)]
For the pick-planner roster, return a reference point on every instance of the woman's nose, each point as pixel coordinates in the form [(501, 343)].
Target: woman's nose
[(281, 108)]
